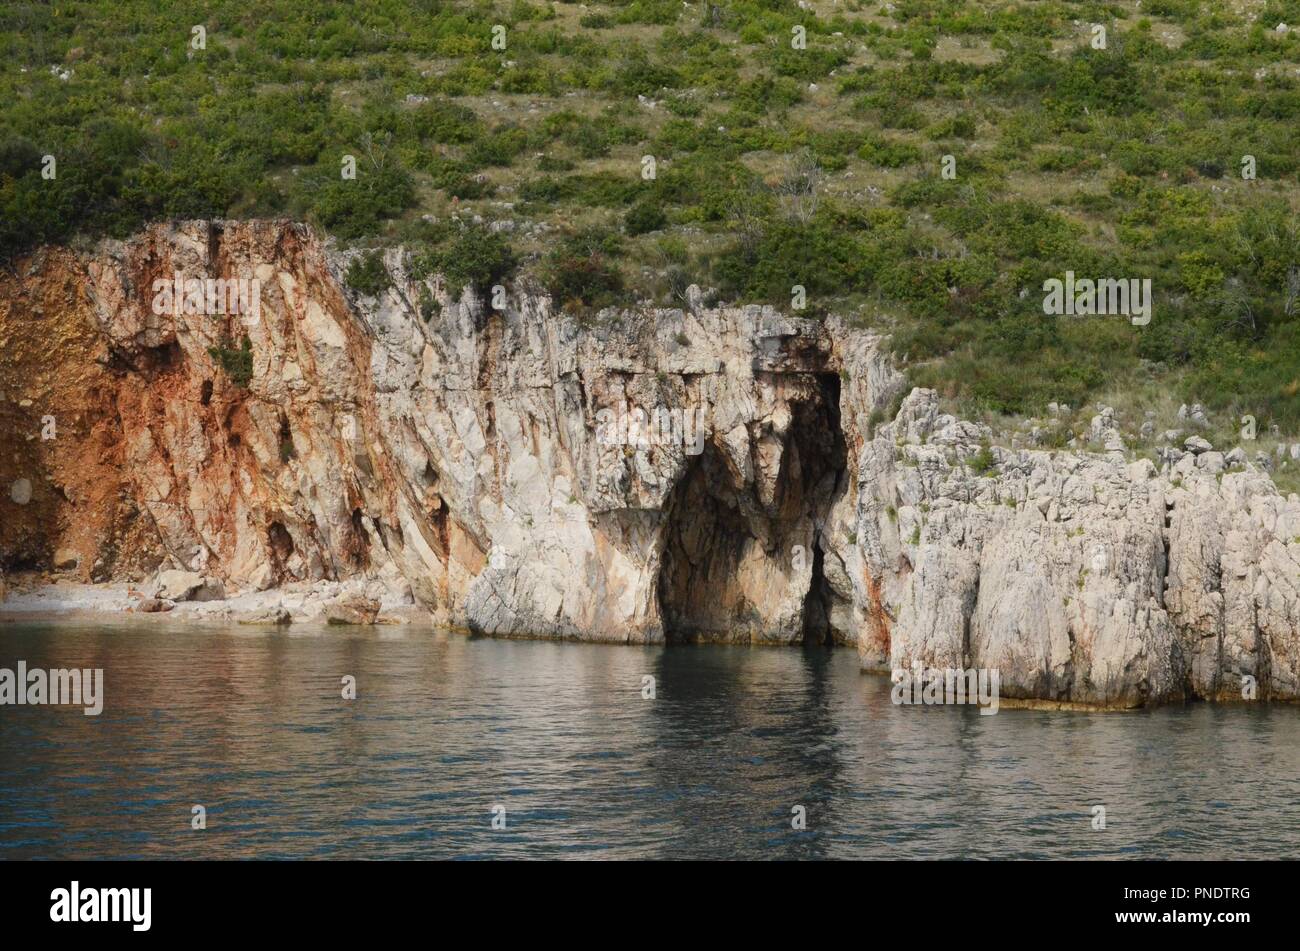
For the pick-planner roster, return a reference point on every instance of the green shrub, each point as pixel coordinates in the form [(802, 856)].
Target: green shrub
[(982, 462), (237, 364), (444, 121), (638, 76), (428, 304), (644, 217), (456, 180), (820, 255), (474, 257), (355, 208), (579, 274), (367, 275), (499, 148)]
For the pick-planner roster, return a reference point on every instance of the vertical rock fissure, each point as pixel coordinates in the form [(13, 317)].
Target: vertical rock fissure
[(827, 483), (816, 605)]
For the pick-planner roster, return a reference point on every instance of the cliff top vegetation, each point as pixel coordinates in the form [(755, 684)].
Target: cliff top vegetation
[(923, 164)]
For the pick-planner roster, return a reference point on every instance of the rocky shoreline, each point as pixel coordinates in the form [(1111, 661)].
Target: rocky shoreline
[(520, 472), (322, 602)]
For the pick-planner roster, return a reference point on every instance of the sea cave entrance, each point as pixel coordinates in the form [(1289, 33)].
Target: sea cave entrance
[(743, 557)]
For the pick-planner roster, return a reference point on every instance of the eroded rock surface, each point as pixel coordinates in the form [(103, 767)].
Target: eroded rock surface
[(1082, 578), (725, 474)]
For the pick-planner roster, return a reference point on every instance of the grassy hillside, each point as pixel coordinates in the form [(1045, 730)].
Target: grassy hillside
[(774, 166)]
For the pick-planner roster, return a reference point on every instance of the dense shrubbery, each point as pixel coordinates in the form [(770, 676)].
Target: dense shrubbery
[(821, 256), (1124, 161), (367, 275), (355, 208), (644, 217), (580, 275), (472, 256)]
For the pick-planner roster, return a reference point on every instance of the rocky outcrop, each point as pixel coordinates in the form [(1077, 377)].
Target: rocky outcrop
[(174, 585), (354, 610), (707, 473), (1082, 578)]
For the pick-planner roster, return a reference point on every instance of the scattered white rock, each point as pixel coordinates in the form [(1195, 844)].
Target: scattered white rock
[(1211, 462)]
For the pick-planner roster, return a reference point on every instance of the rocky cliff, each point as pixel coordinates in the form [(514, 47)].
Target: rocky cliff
[(706, 473)]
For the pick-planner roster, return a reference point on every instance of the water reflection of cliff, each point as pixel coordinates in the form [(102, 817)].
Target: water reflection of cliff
[(252, 726)]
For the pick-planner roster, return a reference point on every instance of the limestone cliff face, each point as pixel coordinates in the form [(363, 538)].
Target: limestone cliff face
[(1081, 577), (709, 473)]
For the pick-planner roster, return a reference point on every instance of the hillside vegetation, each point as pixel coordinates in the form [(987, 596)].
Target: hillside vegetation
[(773, 166)]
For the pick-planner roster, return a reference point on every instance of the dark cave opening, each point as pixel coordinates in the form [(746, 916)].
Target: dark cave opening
[(281, 545), (743, 559), (356, 542), (280, 540)]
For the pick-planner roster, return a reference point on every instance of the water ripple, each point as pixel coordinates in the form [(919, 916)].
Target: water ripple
[(252, 726)]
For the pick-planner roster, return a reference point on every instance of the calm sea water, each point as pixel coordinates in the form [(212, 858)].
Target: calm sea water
[(251, 725)]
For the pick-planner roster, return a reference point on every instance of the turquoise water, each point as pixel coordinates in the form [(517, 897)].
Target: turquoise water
[(251, 725)]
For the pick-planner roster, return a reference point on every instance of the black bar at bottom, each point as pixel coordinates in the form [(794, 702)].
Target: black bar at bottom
[(1219, 901)]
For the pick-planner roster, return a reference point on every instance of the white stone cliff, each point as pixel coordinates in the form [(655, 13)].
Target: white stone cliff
[(466, 461)]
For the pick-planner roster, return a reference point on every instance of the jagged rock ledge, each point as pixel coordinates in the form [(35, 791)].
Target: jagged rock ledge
[(459, 458)]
